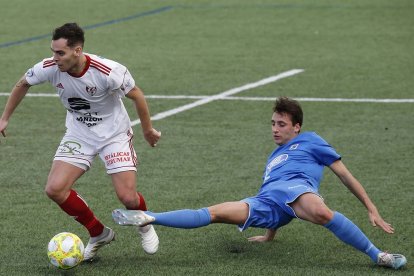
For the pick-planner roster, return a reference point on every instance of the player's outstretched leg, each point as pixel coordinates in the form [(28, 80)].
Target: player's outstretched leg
[(349, 233), (178, 219), (95, 243)]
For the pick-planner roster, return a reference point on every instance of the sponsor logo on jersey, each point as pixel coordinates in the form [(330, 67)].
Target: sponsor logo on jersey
[(276, 161), (70, 147), (91, 90), (117, 157), (78, 103), (60, 86), (298, 186), (89, 121)]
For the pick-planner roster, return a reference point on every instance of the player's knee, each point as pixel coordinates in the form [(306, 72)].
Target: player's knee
[(322, 215), (49, 192), (213, 217), (53, 192), (130, 201)]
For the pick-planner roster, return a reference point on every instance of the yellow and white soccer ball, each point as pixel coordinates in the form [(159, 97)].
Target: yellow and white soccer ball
[(65, 250)]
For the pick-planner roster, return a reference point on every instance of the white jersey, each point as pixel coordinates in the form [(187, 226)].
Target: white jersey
[(93, 99)]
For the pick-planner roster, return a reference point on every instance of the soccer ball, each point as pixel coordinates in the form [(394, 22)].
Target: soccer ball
[(65, 250)]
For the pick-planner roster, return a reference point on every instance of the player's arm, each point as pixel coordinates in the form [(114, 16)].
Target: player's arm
[(268, 236), (137, 96), (16, 96), (356, 188)]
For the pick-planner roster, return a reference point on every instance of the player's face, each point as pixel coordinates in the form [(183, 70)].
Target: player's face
[(283, 129), (67, 58)]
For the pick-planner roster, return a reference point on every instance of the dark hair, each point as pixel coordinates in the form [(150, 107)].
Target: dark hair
[(70, 31), (290, 107)]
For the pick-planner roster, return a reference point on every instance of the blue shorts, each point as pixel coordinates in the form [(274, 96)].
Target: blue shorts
[(270, 208)]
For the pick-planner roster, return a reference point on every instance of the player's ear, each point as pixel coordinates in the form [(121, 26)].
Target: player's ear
[(296, 128), (78, 50)]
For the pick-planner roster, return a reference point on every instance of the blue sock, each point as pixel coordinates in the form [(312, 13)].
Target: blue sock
[(349, 233), (182, 218)]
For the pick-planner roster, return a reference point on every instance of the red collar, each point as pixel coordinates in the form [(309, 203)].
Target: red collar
[(87, 64)]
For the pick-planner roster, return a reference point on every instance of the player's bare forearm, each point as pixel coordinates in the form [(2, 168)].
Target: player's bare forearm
[(137, 96), (151, 135), (358, 190), (352, 183), (16, 96)]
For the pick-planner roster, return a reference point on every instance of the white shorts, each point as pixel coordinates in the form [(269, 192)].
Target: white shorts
[(118, 153)]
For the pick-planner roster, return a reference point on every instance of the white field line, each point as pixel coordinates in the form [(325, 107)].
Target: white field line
[(302, 99), (226, 95), (222, 95), (47, 95), (219, 96)]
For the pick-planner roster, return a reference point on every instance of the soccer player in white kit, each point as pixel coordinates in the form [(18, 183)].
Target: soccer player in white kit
[(91, 88)]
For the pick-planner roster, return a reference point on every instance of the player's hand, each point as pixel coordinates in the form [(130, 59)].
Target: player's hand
[(268, 236), (3, 126), (376, 220), (152, 136)]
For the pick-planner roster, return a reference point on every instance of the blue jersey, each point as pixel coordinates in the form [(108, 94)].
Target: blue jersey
[(303, 159)]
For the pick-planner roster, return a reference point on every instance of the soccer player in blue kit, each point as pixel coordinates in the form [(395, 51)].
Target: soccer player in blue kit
[(290, 190)]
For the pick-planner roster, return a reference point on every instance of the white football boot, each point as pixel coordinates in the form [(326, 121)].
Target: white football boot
[(149, 238), (131, 217), (395, 261), (95, 243)]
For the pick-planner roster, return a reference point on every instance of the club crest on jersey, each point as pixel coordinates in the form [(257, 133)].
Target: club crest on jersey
[(293, 147), (91, 90), (30, 72), (127, 85)]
